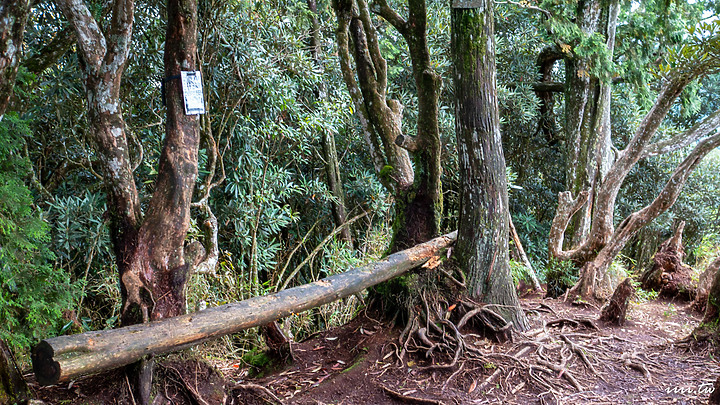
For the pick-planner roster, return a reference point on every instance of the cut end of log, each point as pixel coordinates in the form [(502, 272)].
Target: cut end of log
[(47, 370)]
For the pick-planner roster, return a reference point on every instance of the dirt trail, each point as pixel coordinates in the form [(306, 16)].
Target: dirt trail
[(636, 363), (563, 359)]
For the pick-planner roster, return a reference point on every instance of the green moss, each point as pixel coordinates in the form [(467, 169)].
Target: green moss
[(386, 171), (358, 360), (260, 362)]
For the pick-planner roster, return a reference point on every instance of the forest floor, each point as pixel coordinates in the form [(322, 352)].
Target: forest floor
[(566, 358)]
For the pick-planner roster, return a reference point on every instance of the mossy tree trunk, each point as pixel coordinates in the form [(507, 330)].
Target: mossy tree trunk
[(408, 166), (594, 178), (482, 246)]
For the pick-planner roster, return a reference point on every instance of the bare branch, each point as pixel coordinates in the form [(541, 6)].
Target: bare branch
[(381, 8), (699, 130)]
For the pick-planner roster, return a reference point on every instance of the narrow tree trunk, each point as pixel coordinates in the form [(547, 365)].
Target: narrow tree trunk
[(327, 139), (13, 389), (709, 328), (13, 17), (523, 256), (482, 248)]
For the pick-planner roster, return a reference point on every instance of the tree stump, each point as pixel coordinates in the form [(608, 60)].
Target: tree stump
[(278, 344), (704, 283), (13, 389), (668, 274), (614, 312)]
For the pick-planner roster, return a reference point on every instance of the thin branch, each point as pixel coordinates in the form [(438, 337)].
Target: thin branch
[(699, 130), (381, 8), (317, 249)]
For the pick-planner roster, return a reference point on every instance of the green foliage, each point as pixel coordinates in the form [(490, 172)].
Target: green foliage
[(559, 276), (706, 251), (518, 272), (33, 294)]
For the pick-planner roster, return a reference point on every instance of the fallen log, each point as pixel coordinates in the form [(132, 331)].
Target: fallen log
[(64, 358)]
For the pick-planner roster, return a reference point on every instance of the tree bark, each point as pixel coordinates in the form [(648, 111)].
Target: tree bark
[(482, 248), (587, 113), (13, 17), (150, 252), (614, 312), (63, 358), (596, 268), (668, 274)]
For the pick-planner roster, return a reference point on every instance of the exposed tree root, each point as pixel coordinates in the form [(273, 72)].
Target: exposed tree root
[(410, 400), (256, 387)]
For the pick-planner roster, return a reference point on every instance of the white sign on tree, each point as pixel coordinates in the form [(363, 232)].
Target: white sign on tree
[(193, 93)]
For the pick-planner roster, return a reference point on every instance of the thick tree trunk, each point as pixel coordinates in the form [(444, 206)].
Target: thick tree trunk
[(587, 114), (13, 17), (482, 248), (63, 358), (149, 253)]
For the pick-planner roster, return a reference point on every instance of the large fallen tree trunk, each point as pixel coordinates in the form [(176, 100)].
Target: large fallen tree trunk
[(63, 358)]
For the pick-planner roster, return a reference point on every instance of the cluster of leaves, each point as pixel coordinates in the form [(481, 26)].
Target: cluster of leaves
[(559, 276), (33, 294)]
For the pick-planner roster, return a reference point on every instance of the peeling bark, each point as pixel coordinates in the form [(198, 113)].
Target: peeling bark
[(482, 248)]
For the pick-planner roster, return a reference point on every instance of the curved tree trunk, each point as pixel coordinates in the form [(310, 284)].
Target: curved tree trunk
[(418, 196), (482, 246), (595, 269)]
